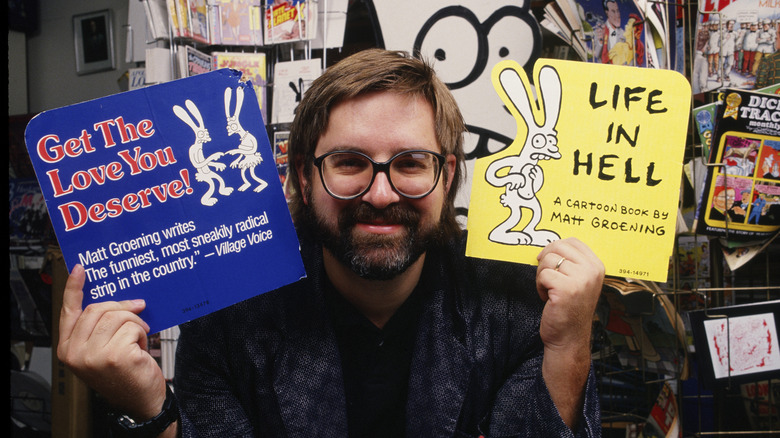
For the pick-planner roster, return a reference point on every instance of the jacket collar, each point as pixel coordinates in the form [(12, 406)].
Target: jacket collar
[(308, 380), (437, 388)]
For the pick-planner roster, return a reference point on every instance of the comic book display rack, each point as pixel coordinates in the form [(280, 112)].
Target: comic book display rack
[(655, 346), (707, 288)]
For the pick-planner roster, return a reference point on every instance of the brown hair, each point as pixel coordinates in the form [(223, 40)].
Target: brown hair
[(364, 72)]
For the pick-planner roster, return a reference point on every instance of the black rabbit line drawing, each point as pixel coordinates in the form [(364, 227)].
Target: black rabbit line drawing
[(248, 157), (200, 162), (523, 176)]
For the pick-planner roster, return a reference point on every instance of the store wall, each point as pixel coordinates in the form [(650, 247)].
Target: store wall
[(17, 76), (52, 81), (42, 76)]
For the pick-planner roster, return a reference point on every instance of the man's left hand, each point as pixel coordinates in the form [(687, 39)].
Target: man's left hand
[(569, 279)]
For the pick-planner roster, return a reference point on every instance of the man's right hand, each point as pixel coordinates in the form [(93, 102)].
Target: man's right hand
[(105, 346)]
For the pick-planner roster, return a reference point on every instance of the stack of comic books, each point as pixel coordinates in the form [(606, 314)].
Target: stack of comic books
[(157, 18), (240, 23), (643, 326), (208, 22), (635, 32), (179, 18), (562, 18), (740, 201), (198, 20)]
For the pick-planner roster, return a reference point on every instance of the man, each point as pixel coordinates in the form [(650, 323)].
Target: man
[(713, 48), (749, 47), (739, 54), (700, 63), (727, 48), (765, 44), (612, 32), (394, 332)]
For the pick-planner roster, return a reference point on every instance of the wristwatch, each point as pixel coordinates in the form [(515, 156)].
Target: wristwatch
[(124, 426)]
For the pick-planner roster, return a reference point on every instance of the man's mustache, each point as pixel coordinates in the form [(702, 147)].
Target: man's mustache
[(367, 213)]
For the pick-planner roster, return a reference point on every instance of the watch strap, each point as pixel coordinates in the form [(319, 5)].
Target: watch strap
[(125, 426)]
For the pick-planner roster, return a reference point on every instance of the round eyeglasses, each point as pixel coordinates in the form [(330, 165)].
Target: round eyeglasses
[(349, 174)]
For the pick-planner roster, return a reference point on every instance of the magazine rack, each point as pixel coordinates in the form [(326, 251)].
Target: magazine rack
[(707, 289), (721, 293)]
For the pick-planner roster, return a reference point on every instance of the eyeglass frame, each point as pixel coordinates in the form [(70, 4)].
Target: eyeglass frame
[(379, 167)]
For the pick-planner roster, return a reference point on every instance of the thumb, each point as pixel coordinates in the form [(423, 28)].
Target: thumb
[(71, 301)]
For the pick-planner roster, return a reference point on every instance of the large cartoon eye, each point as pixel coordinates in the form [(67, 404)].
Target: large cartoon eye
[(538, 141), (451, 41), (513, 38)]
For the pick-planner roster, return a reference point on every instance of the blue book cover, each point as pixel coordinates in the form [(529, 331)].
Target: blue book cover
[(169, 193)]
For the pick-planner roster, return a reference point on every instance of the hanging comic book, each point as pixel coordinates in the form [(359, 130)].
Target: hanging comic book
[(252, 65), (192, 61), (733, 39), (236, 23), (291, 79), (617, 32), (27, 216), (198, 21), (741, 198), (290, 20)]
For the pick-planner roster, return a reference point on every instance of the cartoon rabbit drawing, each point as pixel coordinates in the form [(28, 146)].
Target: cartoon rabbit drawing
[(521, 174), (203, 165), (248, 157)]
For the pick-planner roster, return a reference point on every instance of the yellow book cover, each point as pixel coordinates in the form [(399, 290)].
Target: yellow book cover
[(598, 155)]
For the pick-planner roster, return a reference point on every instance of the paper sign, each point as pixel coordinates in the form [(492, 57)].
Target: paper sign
[(168, 193), (599, 158), (743, 345)]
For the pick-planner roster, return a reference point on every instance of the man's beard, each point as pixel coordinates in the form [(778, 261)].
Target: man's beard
[(374, 256)]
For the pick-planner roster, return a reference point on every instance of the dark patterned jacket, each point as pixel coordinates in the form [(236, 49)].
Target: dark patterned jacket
[(270, 367)]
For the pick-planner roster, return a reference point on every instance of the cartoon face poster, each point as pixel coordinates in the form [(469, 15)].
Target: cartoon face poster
[(464, 40), (598, 156)]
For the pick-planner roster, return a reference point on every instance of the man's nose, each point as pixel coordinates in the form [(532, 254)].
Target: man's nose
[(381, 193)]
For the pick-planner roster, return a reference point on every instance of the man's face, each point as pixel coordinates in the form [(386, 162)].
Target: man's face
[(381, 233), (613, 14), (724, 199)]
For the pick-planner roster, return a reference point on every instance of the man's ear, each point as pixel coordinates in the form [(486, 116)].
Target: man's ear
[(303, 182), (450, 163)]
